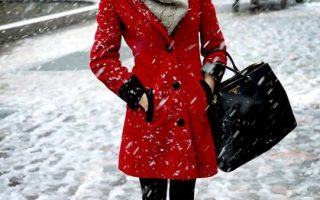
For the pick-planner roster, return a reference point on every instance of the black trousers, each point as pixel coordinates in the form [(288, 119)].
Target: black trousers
[(156, 189)]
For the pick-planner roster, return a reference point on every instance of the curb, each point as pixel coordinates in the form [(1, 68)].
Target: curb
[(38, 25)]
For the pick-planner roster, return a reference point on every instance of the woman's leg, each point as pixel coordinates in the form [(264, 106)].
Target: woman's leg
[(182, 189), (153, 188)]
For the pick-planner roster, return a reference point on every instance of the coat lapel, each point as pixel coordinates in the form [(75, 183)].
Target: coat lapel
[(145, 12)]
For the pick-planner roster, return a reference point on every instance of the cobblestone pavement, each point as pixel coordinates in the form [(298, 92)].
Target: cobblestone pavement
[(60, 128)]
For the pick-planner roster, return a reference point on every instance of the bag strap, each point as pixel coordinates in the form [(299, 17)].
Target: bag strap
[(235, 68)]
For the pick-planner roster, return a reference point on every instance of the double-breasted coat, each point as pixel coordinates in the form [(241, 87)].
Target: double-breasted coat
[(172, 139)]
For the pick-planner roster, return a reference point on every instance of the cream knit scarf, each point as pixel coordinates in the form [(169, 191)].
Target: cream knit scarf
[(170, 12)]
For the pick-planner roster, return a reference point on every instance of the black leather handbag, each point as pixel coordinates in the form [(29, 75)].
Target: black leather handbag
[(249, 113)]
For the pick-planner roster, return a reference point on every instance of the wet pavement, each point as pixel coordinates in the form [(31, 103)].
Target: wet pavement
[(60, 128), (14, 11)]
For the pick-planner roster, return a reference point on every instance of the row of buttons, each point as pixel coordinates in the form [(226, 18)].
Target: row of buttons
[(176, 85)]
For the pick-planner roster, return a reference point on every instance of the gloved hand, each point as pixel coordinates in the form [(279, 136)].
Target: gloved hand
[(216, 70)]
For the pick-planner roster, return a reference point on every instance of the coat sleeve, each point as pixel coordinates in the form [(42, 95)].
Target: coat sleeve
[(211, 36), (105, 57)]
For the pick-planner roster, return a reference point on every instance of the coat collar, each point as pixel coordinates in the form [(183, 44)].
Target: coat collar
[(145, 12)]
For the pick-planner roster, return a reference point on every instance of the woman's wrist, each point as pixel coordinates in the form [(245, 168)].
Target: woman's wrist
[(144, 102), (210, 81)]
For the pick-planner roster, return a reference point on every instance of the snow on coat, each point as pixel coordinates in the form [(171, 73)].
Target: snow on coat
[(172, 139)]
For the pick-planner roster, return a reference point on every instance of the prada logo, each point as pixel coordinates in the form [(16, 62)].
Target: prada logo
[(235, 90)]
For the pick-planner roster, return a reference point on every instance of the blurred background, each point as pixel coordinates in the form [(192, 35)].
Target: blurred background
[(60, 128)]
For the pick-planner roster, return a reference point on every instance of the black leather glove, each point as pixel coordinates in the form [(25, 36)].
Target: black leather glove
[(131, 91), (216, 70)]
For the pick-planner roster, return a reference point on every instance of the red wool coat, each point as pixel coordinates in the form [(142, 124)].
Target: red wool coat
[(173, 138)]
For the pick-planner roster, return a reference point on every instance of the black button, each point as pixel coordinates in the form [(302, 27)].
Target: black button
[(176, 84), (169, 48), (180, 122)]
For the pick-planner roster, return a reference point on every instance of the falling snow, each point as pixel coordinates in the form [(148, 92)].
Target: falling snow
[(59, 128)]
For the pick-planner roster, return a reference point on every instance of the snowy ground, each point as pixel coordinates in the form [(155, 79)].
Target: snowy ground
[(60, 128)]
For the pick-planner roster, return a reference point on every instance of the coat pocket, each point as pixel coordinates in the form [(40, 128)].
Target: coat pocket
[(159, 105), (150, 110)]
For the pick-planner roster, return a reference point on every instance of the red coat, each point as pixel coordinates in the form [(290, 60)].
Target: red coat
[(173, 139)]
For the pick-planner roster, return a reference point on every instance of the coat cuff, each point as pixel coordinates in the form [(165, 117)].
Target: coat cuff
[(215, 69), (131, 91)]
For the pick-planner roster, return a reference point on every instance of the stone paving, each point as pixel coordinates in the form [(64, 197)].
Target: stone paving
[(60, 128)]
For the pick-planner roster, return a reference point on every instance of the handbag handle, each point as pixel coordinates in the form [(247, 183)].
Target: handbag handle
[(235, 68)]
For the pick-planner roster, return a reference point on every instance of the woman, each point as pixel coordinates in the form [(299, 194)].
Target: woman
[(166, 133)]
